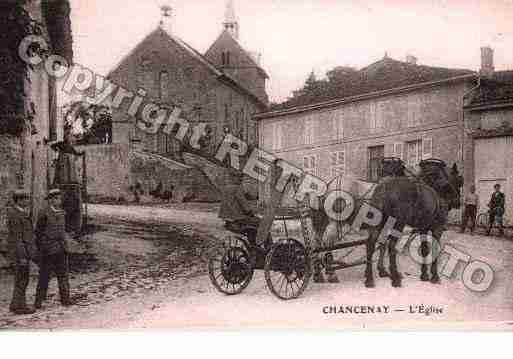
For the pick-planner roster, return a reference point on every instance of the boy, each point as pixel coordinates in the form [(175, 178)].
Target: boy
[(51, 242), (20, 251)]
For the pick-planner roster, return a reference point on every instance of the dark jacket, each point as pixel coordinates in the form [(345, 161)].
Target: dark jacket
[(497, 202), (50, 232), (21, 236)]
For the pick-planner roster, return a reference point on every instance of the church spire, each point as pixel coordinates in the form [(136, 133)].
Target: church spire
[(231, 23)]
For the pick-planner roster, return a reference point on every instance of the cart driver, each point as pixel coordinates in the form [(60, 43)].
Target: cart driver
[(235, 208)]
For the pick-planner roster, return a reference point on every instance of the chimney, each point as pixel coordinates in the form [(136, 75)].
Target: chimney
[(487, 68), (410, 59), (165, 21)]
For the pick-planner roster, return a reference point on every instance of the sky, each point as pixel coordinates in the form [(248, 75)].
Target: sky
[(298, 36)]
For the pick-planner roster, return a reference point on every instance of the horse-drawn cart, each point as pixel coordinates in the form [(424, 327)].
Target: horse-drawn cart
[(288, 260)]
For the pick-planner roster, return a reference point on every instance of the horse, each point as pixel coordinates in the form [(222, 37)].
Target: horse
[(422, 203)]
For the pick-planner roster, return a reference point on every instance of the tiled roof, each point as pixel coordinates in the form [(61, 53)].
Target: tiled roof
[(382, 75), (495, 90), (196, 55)]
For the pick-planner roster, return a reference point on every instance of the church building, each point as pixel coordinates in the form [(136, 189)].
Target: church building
[(221, 90)]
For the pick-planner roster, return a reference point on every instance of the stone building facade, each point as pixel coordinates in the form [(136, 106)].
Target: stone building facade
[(173, 74), (389, 108), (26, 157), (489, 134)]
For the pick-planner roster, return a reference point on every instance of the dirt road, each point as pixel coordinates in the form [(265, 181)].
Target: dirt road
[(190, 301)]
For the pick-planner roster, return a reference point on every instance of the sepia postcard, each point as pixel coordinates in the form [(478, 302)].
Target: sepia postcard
[(237, 164)]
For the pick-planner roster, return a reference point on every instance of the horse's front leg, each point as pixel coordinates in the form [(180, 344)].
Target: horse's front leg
[(371, 245), (424, 252), (395, 276), (382, 272), (318, 276), (435, 252)]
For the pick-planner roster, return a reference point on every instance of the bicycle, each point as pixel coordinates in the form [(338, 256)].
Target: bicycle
[(483, 219)]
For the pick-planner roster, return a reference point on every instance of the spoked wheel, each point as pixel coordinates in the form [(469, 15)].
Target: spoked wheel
[(288, 269), (229, 267)]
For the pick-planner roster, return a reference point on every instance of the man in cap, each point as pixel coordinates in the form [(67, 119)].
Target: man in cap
[(20, 251), (51, 242)]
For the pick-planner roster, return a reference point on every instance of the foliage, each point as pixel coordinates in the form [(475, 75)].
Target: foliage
[(89, 124), (315, 87), (16, 24)]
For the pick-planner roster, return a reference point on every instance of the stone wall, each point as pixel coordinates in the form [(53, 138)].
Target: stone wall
[(113, 168), (10, 175), (107, 169)]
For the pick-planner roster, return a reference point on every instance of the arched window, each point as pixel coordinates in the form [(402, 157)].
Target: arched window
[(225, 58), (164, 86)]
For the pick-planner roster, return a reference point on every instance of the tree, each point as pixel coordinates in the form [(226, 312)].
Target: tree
[(89, 124)]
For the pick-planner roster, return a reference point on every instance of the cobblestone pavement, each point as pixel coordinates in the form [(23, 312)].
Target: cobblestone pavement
[(174, 291)]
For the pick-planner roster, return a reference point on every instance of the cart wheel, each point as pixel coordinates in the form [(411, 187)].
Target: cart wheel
[(229, 266), (288, 269)]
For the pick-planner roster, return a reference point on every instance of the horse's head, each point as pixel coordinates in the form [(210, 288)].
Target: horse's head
[(448, 185)]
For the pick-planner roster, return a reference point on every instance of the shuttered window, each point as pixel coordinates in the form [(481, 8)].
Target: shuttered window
[(338, 125), (376, 155), (398, 150), (337, 163), (309, 131), (277, 136), (427, 148), (413, 153), (310, 164)]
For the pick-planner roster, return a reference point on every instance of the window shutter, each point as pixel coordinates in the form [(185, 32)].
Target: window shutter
[(398, 150), (333, 158), (305, 163), (340, 123), (427, 148), (278, 134), (389, 150)]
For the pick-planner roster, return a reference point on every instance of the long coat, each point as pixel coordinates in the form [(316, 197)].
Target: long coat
[(21, 245), (50, 232)]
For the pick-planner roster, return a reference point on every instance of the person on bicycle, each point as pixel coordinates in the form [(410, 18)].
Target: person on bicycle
[(496, 204), (471, 202)]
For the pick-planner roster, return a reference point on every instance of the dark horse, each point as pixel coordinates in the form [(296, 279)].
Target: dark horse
[(422, 203)]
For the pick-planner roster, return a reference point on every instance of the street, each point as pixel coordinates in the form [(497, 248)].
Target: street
[(166, 297)]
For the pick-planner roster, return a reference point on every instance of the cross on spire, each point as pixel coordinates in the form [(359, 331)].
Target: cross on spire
[(165, 21)]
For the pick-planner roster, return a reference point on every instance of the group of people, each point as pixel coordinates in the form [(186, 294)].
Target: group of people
[(46, 246), (495, 214)]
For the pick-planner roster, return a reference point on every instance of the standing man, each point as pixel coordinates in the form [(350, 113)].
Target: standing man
[(51, 242), (66, 178), (20, 252), (497, 203), (471, 203)]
